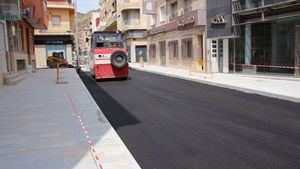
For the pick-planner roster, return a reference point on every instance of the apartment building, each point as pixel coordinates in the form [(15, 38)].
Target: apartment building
[(19, 19), (126, 16), (176, 33), (108, 14), (59, 37), (94, 21), (262, 36)]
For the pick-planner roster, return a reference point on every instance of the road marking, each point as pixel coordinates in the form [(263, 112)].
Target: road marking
[(84, 129)]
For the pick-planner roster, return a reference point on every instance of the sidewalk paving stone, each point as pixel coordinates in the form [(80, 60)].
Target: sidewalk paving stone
[(39, 129)]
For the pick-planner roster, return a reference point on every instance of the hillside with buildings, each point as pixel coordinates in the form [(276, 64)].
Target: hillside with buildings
[(84, 18), (87, 24)]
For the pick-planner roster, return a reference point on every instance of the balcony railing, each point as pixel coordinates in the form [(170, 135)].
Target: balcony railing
[(173, 15), (245, 5), (60, 32)]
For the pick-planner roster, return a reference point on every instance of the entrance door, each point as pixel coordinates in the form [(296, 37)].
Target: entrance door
[(220, 55), (141, 51), (162, 53), (28, 46), (2, 53), (3, 61), (297, 54)]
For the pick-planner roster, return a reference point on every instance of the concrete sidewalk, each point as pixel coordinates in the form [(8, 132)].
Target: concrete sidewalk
[(283, 88), (39, 128)]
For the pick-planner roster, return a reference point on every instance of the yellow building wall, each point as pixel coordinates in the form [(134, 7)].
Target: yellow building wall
[(65, 19), (72, 21), (41, 60)]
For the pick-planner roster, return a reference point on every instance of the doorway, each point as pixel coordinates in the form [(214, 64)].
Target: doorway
[(3, 61), (162, 53), (220, 55), (141, 51), (297, 53)]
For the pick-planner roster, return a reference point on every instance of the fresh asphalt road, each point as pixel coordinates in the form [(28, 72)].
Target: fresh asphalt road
[(168, 123)]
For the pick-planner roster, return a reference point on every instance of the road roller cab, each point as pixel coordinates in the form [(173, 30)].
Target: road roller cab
[(108, 58)]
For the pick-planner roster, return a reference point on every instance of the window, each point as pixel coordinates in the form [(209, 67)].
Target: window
[(173, 12), (131, 17), (56, 20), (187, 48), (22, 38), (125, 18), (188, 6), (15, 34), (153, 20), (135, 16), (162, 15)]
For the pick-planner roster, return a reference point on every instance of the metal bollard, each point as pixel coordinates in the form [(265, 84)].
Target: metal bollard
[(142, 61), (57, 73)]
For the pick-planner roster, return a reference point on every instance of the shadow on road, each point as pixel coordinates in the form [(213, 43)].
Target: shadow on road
[(110, 107)]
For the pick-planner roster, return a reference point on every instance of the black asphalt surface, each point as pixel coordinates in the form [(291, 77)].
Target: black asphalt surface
[(169, 123)]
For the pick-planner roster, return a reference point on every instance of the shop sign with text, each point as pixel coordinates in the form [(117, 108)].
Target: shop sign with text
[(10, 10)]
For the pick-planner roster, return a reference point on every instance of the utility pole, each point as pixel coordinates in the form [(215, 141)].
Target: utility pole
[(76, 31)]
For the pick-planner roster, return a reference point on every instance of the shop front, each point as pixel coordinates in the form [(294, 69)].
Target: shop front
[(219, 34), (177, 43), (271, 47), (47, 46)]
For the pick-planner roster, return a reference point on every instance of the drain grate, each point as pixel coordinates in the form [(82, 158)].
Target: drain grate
[(62, 82)]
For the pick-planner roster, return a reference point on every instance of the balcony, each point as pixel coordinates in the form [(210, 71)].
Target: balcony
[(39, 13), (255, 11), (63, 5), (111, 22), (54, 32), (173, 15), (250, 6)]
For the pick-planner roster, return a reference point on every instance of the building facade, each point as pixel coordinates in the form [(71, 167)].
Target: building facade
[(176, 33), (59, 37), (17, 43), (108, 15), (126, 16), (262, 36)]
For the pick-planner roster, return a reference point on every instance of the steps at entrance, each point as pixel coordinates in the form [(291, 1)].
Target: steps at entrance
[(14, 78)]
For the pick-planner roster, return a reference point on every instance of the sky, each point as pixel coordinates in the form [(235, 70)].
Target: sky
[(87, 5)]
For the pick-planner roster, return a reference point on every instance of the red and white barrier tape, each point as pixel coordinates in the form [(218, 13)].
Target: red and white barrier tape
[(91, 144), (268, 66)]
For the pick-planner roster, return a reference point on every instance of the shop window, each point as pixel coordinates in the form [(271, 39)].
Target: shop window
[(271, 45), (187, 48), (173, 50), (152, 51)]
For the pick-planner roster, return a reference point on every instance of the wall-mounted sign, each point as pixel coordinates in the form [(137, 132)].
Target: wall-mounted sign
[(156, 31), (53, 40), (219, 19), (185, 21), (10, 10), (27, 12), (149, 7)]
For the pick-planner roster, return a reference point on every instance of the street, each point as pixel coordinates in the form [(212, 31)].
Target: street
[(169, 123)]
